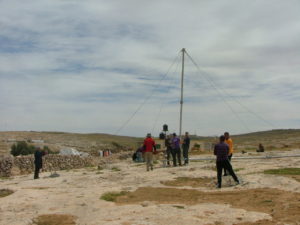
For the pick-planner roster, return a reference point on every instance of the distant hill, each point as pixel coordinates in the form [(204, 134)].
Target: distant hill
[(57, 140), (272, 140)]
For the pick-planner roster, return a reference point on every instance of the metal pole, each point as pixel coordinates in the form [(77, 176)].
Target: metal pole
[(181, 99)]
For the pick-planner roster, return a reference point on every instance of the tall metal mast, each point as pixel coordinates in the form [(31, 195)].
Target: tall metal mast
[(181, 99)]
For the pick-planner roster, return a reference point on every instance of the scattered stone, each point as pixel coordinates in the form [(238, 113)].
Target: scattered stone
[(145, 204), (53, 175)]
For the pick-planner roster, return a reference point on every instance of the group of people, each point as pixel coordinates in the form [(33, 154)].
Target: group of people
[(223, 151), (172, 143), (173, 148)]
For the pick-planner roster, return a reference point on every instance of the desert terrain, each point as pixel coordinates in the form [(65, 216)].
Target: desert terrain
[(282, 139), (122, 192), (171, 195)]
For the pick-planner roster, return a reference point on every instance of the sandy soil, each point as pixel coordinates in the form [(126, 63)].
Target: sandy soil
[(173, 195)]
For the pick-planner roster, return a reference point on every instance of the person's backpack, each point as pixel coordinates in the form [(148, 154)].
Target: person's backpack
[(134, 156)]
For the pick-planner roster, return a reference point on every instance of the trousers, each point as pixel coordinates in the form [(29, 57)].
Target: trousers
[(224, 164), (185, 153), (149, 160), (229, 158), (176, 153)]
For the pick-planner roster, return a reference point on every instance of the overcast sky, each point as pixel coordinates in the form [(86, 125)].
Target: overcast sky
[(115, 66)]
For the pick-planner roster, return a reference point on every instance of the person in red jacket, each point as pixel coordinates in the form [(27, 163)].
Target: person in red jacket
[(149, 148)]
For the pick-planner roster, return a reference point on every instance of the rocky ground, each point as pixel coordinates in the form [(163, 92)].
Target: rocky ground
[(172, 195)]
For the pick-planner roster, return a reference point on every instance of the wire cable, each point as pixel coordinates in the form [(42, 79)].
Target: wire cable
[(146, 99), (163, 102), (207, 77), (220, 94)]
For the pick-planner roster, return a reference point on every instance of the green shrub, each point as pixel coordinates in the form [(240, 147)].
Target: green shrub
[(197, 146), (115, 169), (112, 196), (22, 148)]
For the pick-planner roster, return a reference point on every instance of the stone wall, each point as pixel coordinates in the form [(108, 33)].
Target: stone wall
[(25, 164), (6, 164)]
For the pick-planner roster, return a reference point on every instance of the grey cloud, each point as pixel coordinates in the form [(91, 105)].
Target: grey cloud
[(66, 61)]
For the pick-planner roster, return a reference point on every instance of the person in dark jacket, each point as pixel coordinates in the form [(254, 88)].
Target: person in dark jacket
[(176, 151), (185, 148), (260, 148), (168, 148), (38, 162), (221, 151)]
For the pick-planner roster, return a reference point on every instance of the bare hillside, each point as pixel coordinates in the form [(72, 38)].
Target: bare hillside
[(283, 139), (272, 140), (58, 140)]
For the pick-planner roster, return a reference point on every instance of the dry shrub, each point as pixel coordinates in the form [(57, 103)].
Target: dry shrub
[(5, 192), (54, 219), (189, 181)]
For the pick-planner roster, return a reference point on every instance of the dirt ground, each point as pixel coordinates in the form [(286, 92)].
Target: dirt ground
[(187, 181), (172, 195), (283, 206)]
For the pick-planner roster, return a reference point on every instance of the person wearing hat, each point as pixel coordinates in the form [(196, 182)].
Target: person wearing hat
[(149, 149)]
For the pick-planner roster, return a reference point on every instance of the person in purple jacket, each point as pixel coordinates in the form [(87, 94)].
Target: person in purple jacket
[(222, 162), (176, 152)]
